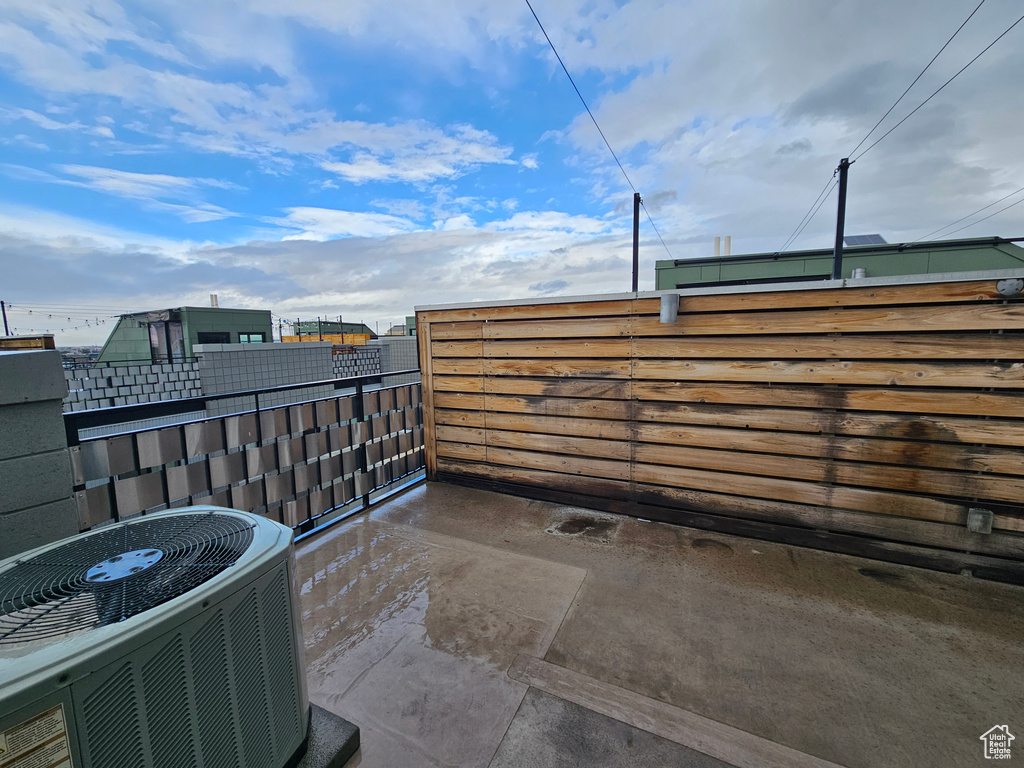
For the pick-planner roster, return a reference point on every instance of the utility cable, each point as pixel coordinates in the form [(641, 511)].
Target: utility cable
[(919, 76), (799, 227), (968, 226), (964, 218), (594, 119), (937, 90), (815, 212)]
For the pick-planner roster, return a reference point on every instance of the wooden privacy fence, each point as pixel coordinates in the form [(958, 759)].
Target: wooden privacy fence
[(867, 420)]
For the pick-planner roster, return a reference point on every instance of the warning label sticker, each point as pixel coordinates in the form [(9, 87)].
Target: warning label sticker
[(39, 742)]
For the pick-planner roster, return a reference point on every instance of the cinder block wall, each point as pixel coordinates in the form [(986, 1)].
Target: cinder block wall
[(36, 504), (225, 368), (397, 353), (105, 386), (357, 361)]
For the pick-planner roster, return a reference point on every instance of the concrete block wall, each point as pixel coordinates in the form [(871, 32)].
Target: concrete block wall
[(357, 361), (36, 502), (227, 368), (397, 353), (105, 386)]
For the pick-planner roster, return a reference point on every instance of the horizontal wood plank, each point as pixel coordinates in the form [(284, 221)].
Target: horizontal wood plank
[(802, 492), (457, 348), (452, 434), (607, 389), (911, 479), (981, 346), (449, 331), (554, 310), (456, 418), (903, 453), (462, 451), (954, 402), (944, 429), (858, 372), (972, 317), (459, 400), (560, 444), (573, 465), (929, 293), (458, 384), (458, 366), (574, 368), (581, 348)]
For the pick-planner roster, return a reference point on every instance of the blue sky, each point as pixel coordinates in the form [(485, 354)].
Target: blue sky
[(366, 157)]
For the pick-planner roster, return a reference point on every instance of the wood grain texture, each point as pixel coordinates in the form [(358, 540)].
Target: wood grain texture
[(857, 372), (954, 402), (933, 293), (563, 309), (882, 412), (981, 346)]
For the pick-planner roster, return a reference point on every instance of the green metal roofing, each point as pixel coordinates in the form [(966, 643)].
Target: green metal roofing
[(889, 260)]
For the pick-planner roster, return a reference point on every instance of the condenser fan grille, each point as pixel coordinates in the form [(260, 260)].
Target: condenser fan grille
[(112, 575)]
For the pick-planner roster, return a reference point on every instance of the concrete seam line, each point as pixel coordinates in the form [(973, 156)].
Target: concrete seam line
[(736, 747)]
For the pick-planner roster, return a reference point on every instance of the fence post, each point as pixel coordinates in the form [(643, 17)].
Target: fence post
[(361, 418)]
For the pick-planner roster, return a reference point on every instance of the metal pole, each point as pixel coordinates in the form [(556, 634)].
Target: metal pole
[(319, 329), (636, 240), (3, 308), (837, 255)]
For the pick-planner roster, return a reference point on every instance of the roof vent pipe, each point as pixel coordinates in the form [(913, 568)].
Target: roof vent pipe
[(728, 245), (213, 300), (859, 273), (669, 307), (718, 247)]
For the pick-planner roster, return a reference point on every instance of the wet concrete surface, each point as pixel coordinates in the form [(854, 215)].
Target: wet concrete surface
[(412, 615), (548, 731), (409, 635)]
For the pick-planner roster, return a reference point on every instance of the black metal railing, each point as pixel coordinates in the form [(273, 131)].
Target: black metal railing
[(304, 463)]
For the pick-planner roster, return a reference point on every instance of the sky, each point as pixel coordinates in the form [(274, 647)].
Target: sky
[(360, 158)]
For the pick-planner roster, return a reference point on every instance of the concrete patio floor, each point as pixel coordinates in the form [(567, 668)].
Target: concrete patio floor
[(461, 627)]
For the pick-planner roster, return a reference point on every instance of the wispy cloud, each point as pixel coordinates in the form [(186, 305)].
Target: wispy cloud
[(173, 194), (327, 223)]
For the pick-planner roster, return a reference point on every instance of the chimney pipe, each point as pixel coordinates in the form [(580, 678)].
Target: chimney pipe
[(213, 300), (718, 247), (728, 245)]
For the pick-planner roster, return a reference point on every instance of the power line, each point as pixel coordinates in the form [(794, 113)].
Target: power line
[(828, 194), (919, 76), (968, 226), (964, 218), (799, 227), (594, 119), (936, 92)]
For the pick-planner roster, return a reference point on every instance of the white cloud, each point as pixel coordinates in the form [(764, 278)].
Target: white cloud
[(326, 223), (529, 161)]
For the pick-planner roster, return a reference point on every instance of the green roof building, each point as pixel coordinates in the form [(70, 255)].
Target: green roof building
[(876, 259), (168, 335)]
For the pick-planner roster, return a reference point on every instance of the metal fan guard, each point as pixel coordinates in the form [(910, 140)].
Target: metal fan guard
[(52, 595)]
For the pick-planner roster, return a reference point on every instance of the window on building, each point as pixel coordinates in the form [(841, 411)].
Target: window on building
[(213, 337), (252, 338), (166, 342)]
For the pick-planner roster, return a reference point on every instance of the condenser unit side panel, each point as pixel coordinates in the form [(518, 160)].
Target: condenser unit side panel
[(220, 690), (42, 731)]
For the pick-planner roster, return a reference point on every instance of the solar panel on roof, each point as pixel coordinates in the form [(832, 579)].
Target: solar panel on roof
[(864, 240)]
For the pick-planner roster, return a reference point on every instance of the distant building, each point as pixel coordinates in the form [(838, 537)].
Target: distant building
[(168, 335), (877, 259), (330, 327)]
